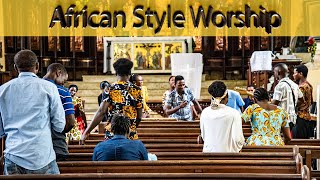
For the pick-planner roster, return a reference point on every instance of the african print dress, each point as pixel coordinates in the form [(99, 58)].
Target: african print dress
[(124, 98), (79, 125), (265, 125)]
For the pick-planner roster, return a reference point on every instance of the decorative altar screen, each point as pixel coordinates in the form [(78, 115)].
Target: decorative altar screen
[(149, 54)]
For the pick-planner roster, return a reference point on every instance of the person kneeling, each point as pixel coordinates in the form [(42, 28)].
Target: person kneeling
[(267, 121), (221, 126), (120, 147)]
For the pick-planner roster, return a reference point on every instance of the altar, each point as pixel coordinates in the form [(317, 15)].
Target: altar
[(149, 54), (261, 78)]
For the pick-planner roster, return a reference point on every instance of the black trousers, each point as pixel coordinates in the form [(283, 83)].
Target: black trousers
[(303, 129)]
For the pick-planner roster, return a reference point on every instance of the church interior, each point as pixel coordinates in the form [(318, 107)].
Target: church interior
[(88, 61)]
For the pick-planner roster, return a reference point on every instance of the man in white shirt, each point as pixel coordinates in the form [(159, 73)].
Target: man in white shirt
[(221, 126), (286, 93)]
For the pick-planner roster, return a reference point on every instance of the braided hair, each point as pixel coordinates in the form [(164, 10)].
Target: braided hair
[(261, 94), (120, 125)]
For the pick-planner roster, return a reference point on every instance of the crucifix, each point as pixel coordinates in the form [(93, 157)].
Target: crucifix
[(148, 47)]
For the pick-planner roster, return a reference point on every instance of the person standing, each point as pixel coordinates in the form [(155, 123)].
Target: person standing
[(57, 74), (304, 128), (123, 97), (138, 81), (286, 93), (235, 101), (179, 102), (78, 103), (30, 107), (104, 87)]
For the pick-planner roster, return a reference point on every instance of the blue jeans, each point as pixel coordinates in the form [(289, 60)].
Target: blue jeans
[(11, 168)]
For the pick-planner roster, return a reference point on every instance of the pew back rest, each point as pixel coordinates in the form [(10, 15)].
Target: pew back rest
[(181, 166)]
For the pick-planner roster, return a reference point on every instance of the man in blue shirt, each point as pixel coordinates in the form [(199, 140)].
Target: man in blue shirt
[(57, 74), (249, 100), (120, 147), (29, 107), (235, 100)]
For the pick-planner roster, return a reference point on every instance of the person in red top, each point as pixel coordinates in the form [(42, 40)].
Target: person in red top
[(78, 108), (304, 128)]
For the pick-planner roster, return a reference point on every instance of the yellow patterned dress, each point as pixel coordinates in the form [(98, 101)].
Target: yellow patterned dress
[(265, 125), (124, 98)]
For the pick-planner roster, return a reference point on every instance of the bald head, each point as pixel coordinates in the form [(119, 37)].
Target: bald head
[(280, 71), (26, 61)]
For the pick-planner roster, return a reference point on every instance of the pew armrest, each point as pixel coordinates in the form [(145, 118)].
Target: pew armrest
[(305, 173), (200, 140)]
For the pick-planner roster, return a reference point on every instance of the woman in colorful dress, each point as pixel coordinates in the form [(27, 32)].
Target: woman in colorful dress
[(123, 97), (267, 121), (80, 116), (138, 81)]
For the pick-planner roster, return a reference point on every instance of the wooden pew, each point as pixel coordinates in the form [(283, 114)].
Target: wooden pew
[(167, 125), (186, 148), (204, 156), (305, 142), (170, 176), (160, 135), (184, 166), (145, 141), (150, 147)]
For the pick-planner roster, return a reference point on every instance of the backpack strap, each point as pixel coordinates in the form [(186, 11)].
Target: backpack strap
[(294, 98)]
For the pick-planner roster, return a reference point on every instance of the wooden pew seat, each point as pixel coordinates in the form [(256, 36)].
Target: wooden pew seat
[(152, 176)]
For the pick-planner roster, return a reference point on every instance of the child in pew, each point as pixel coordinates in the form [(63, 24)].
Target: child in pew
[(120, 147), (267, 121)]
